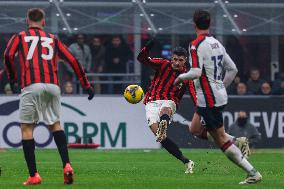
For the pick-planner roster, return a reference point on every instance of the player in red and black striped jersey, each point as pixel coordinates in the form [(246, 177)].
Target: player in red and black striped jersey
[(38, 53), (163, 97)]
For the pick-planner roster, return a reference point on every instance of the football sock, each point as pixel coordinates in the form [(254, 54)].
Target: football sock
[(173, 149), (235, 155), (29, 152), (165, 117), (61, 143)]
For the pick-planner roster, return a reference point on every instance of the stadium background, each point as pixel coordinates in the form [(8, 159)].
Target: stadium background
[(251, 32)]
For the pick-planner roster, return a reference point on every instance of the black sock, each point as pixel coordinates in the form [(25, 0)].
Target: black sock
[(165, 117), (61, 143), (29, 152), (173, 149)]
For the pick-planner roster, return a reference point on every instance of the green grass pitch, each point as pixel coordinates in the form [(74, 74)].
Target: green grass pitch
[(154, 169)]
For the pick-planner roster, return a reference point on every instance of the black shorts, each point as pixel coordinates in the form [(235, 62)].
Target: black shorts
[(212, 117)]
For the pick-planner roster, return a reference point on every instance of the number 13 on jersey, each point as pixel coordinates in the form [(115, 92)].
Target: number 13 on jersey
[(218, 67)]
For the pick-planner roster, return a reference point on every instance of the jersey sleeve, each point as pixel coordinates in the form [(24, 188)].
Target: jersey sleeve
[(196, 55), (231, 70), (9, 55), (66, 55), (196, 59), (144, 58)]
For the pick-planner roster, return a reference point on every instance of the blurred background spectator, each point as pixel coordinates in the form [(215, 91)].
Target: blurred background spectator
[(68, 88), (265, 89), (98, 59), (118, 53), (82, 53), (254, 82), (243, 128), (242, 89)]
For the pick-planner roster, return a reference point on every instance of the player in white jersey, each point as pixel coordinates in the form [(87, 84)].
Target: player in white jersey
[(209, 63)]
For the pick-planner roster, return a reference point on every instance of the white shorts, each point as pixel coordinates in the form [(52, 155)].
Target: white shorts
[(153, 110), (40, 101)]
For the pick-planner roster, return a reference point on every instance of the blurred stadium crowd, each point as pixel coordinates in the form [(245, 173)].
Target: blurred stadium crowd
[(115, 54)]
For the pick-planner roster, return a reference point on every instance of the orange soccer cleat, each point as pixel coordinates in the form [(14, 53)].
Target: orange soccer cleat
[(68, 174), (33, 180)]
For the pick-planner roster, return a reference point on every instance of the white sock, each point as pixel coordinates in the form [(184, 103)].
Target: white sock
[(235, 155), (211, 139)]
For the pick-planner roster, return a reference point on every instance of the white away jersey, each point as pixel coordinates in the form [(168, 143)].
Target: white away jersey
[(208, 54)]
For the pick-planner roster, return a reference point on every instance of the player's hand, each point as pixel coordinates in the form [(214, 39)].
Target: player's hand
[(177, 81), (150, 44), (91, 92)]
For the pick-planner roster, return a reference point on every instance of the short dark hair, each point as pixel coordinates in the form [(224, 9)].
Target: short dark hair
[(202, 19), (180, 51), (36, 14)]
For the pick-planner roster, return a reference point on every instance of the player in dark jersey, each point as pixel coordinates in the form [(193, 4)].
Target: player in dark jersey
[(163, 97), (38, 53)]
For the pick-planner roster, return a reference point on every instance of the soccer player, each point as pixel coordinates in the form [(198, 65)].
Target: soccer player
[(38, 53), (208, 62), (163, 97)]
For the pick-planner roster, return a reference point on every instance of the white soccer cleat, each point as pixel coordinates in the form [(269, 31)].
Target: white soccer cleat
[(243, 144), (252, 179), (189, 167), (162, 131)]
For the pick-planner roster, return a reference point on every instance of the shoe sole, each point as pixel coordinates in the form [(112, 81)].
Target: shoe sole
[(69, 176), (162, 131)]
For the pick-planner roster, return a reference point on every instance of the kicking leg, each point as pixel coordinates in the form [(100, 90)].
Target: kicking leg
[(173, 149), (61, 143), (29, 153)]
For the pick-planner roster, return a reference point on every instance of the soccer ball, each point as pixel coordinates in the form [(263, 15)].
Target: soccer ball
[(133, 94)]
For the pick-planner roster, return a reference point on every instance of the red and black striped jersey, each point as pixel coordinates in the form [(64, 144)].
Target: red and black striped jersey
[(38, 53), (162, 86)]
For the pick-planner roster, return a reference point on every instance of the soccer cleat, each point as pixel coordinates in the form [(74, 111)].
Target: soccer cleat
[(33, 180), (162, 131), (243, 144), (68, 174), (189, 167), (252, 179)]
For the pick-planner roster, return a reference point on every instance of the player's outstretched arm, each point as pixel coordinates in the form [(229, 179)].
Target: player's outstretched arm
[(76, 66), (144, 58), (231, 70), (9, 54)]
